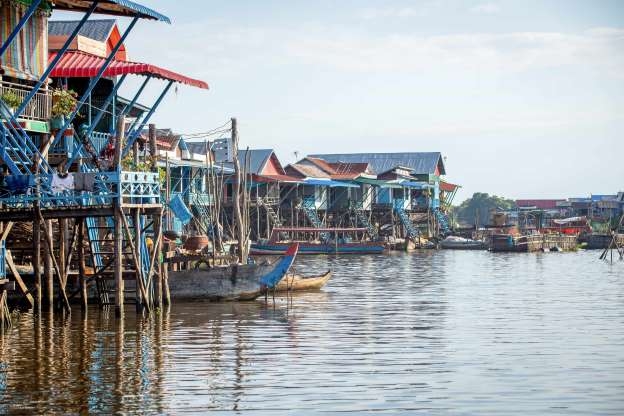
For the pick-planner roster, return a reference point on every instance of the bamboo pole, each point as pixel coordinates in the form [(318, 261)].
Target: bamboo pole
[(62, 249), (157, 220), (48, 239), (47, 264)]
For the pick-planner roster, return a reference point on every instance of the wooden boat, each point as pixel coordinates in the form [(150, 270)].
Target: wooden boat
[(297, 282), (337, 243), (230, 283), (460, 243)]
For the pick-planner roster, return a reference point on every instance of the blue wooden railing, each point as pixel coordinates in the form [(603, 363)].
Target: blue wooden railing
[(20, 191)]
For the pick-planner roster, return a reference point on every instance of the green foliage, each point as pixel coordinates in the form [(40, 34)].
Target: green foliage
[(481, 204), (11, 99), (63, 102)]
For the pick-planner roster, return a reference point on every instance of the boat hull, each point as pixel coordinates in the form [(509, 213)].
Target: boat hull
[(309, 248), (296, 282), (474, 245), (230, 283)]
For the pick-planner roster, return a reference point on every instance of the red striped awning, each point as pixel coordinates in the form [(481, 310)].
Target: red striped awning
[(76, 64)]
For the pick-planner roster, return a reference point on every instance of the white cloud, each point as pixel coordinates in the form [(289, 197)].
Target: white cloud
[(371, 13), (486, 8), (598, 49)]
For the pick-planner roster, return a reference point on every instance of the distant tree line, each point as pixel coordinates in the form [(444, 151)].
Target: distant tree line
[(480, 206)]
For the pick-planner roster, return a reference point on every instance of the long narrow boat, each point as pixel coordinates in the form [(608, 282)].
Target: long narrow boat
[(230, 283), (322, 241), (297, 282), (459, 243)]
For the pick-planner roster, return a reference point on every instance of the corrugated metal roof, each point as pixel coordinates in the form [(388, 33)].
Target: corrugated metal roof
[(111, 7), (420, 162), (257, 160), (83, 65), (93, 29), (308, 170)]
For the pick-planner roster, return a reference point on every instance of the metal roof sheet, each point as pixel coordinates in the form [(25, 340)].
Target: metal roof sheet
[(83, 65), (420, 162), (111, 7), (257, 159), (93, 29)]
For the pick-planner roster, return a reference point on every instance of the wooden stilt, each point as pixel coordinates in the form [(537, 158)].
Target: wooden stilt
[(47, 266), (59, 272), (138, 236), (82, 278), (62, 253), (157, 219), (165, 283)]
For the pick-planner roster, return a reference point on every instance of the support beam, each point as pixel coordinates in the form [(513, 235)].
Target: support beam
[(57, 58), (94, 80), (81, 266), (18, 279), (97, 119), (133, 134)]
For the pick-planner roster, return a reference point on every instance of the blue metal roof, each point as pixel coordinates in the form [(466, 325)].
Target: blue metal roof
[(112, 7), (257, 160), (416, 185), (420, 162), (330, 183), (93, 29)]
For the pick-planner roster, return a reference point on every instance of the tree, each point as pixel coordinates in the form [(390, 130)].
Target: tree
[(480, 205)]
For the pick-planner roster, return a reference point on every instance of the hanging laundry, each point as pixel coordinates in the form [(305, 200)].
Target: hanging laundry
[(61, 183)]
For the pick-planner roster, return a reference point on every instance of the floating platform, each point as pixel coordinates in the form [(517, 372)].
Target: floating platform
[(532, 243)]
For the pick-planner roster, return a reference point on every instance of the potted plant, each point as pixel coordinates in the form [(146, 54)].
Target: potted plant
[(11, 99), (63, 104)]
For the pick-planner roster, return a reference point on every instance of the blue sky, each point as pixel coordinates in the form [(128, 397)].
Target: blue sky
[(523, 98)]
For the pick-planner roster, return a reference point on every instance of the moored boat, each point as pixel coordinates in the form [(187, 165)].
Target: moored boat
[(298, 282), (324, 244), (230, 283), (460, 243)]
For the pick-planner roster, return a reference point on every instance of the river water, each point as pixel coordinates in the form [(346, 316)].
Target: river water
[(433, 332)]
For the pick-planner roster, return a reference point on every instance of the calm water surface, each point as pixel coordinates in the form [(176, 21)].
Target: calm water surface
[(437, 332)]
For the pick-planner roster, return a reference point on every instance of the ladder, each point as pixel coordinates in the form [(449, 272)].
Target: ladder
[(309, 209), (274, 218), (442, 221), (362, 218), (412, 232)]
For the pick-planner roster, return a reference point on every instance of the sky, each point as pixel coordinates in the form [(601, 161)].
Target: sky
[(523, 98)]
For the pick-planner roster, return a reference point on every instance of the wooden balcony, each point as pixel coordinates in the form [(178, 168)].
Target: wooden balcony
[(40, 106)]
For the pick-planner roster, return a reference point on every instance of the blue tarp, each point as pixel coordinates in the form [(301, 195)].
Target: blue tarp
[(416, 185), (180, 210), (330, 183)]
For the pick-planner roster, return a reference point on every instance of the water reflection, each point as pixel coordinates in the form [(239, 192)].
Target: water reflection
[(427, 331)]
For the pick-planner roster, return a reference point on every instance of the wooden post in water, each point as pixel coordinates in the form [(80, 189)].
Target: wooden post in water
[(62, 253), (157, 220), (36, 259), (47, 266), (82, 278), (236, 201)]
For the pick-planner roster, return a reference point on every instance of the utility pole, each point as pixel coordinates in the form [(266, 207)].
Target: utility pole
[(241, 229)]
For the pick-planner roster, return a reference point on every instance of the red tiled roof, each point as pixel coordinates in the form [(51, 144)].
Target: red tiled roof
[(75, 64)]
